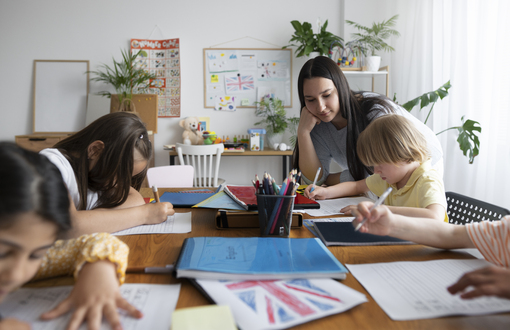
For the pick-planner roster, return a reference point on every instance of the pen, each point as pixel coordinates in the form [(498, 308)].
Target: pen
[(376, 204), (151, 270), (315, 180), (156, 195)]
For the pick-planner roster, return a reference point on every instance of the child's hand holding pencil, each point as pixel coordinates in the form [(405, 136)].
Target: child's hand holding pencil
[(157, 212)]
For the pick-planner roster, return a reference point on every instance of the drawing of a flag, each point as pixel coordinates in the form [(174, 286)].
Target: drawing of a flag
[(239, 83), (283, 301)]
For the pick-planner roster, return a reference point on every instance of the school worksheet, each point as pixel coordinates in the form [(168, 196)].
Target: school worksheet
[(333, 206), (156, 301), (417, 290), (178, 223)]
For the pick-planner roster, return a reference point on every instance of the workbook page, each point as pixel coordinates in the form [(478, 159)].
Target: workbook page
[(417, 290), (157, 302), (175, 224), (333, 206)]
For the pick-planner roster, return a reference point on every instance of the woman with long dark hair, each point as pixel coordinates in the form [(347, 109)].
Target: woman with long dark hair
[(332, 118)]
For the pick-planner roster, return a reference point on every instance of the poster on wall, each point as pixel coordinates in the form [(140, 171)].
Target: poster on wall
[(242, 76), (162, 58)]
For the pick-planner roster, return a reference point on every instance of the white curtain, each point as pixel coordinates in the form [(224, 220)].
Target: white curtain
[(468, 43)]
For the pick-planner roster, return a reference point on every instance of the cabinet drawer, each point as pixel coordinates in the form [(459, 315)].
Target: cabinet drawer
[(36, 143)]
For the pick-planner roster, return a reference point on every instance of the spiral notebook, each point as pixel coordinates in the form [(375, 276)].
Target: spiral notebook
[(342, 233), (245, 196)]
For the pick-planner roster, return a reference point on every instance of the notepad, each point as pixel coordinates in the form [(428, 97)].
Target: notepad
[(245, 196), (211, 317), (186, 198), (342, 233), (256, 258)]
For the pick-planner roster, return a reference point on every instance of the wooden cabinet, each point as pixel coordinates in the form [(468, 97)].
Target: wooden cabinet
[(38, 142)]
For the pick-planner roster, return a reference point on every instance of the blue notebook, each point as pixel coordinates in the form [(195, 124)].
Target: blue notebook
[(257, 258), (186, 198)]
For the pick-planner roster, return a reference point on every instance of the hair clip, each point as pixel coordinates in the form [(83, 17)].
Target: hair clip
[(141, 136)]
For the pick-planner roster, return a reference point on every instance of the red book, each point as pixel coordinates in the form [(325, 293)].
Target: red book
[(245, 196)]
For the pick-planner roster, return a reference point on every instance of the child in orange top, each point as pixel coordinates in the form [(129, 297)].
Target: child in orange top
[(398, 152), (34, 212), (491, 238)]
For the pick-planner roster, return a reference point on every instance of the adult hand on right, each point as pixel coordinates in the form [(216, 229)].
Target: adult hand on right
[(158, 212), (307, 121), (488, 281)]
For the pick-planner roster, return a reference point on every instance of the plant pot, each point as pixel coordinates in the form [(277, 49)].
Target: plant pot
[(273, 138), (314, 54), (373, 63)]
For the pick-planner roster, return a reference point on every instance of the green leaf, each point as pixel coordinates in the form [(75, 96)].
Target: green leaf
[(411, 104), (424, 101), (433, 97), (468, 140), (297, 26)]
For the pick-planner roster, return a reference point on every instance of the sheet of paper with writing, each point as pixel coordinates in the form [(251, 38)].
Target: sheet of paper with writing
[(417, 290), (333, 206), (175, 224), (154, 300)]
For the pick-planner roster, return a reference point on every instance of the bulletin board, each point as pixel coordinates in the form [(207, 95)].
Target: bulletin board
[(60, 95), (247, 74)]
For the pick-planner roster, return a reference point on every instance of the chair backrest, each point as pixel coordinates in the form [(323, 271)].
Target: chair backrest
[(173, 176), (463, 209), (201, 158)]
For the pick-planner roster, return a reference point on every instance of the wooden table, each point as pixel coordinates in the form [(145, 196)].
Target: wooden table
[(158, 250), (286, 157)]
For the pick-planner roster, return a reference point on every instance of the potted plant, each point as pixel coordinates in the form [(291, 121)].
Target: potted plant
[(374, 40), (275, 118), (309, 42), (125, 76), (468, 132)]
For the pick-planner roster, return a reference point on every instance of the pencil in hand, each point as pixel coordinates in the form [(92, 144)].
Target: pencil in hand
[(156, 194), (315, 180)]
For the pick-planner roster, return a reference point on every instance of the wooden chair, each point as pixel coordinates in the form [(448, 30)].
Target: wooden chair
[(201, 158), (173, 176), (462, 209)]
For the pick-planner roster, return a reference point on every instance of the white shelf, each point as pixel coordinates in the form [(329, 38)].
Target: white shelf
[(384, 71), (365, 73)]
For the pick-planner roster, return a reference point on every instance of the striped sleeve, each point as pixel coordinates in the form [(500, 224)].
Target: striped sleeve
[(492, 239)]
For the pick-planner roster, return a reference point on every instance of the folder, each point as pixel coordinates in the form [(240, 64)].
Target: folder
[(256, 258), (186, 198), (343, 233)]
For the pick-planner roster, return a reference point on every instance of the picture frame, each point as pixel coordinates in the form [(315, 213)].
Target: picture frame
[(60, 94)]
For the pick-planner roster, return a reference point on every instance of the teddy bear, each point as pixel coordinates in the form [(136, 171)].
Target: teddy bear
[(191, 134)]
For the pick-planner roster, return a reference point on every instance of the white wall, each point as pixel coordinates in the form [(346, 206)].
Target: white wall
[(96, 30)]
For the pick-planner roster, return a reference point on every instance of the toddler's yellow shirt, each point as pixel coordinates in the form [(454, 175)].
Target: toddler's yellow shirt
[(424, 187)]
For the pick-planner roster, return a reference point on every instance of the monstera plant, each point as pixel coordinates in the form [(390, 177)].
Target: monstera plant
[(468, 130)]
